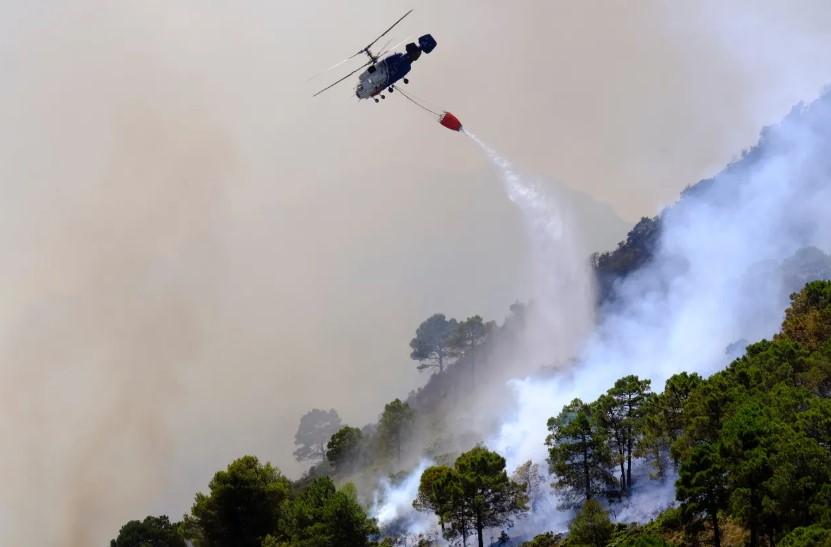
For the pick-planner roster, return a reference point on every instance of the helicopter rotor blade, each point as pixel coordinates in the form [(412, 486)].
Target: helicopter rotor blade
[(342, 79), (385, 50), (372, 43), (333, 67), (384, 47)]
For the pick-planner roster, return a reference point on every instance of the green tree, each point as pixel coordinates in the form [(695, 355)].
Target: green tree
[(440, 492), (578, 453), (343, 448), (800, 470), (493, 499), (662, 419), (467, 336), (747, 447), (243, 506), (431, 346), (619, 411), (702, 487), (475, 494), (808, 319), (640, 540), (807, 536), (815, 421), (151, 532), (704, 412), (315, 429), (591, 527), (394, 427), (546, 539), (322, 516), (469, 333), (436, 494)]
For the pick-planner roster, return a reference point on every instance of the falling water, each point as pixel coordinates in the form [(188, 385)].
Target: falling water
[(561, 283)]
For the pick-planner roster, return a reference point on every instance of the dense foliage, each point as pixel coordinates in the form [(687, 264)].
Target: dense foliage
[(633, 253), (322, 516), (243, 505), (591, 527), (473, 495), (250, 504), (750, 447), (343, 447), (431, 346), (394, 428), (752, 443), (578, 452), (151, 532)]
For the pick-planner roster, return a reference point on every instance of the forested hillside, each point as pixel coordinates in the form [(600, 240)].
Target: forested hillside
[(750, 446), (742, 444)]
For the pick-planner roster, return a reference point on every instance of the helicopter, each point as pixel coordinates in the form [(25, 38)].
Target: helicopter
[(385, 68)]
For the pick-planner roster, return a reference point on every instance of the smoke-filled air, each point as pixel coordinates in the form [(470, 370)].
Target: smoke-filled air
[(536, 274)]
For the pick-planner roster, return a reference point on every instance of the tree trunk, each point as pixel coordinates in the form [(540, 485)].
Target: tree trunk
[(716, 531), (622, 474), (621, 454), (481, 533), (754, 523), (472, 368), (629, 462), (586, 471)]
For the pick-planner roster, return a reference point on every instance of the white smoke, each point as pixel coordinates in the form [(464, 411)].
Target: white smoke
[(392, 505), (714, 280)]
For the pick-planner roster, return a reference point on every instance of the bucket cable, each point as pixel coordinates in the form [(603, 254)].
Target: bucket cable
[(418, 104)]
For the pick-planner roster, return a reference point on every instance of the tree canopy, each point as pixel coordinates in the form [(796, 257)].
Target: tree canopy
[(808, 320), (474, 495), (394, 427), (751, 446), (150, 532), (343, 448), (315, 429), (431, 346), (752, 443), (323, 516), (578, 453), (620, 412), (491, 497), (591, 527), (243, 505)]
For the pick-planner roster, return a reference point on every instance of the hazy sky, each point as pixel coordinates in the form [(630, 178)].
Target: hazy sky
[(195, 251)]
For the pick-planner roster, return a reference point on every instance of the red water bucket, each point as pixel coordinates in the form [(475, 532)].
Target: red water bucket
[(450, 121)]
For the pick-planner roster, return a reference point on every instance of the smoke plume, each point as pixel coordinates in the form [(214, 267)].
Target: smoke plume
[(719, 277)]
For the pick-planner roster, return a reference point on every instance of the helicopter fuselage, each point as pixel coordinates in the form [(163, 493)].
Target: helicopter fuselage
[(383, 75)]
